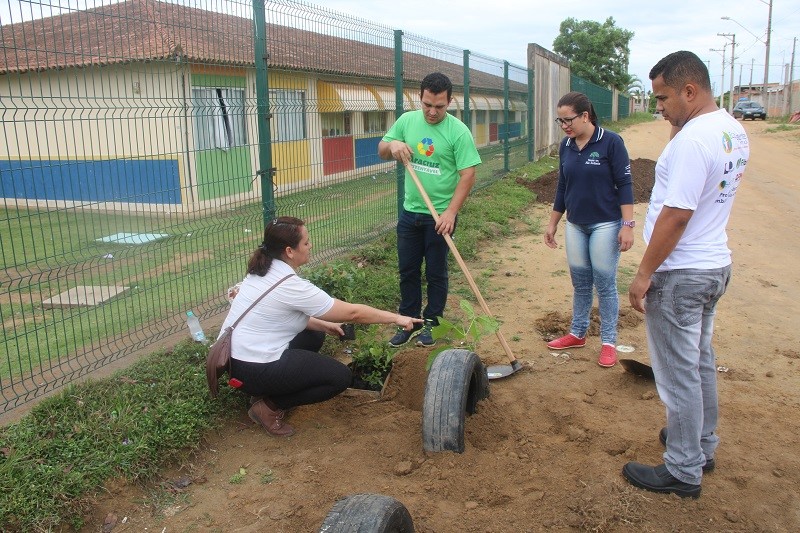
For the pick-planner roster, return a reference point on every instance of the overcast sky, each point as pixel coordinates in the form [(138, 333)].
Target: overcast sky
[(503, 28)]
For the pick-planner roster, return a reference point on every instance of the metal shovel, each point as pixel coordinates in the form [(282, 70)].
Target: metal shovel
[(638, 369), (494, 371)]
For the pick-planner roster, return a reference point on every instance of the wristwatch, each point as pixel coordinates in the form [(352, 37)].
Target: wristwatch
[(629, 223)]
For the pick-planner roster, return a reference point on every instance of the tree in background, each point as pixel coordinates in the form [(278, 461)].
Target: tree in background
[(597, 52)]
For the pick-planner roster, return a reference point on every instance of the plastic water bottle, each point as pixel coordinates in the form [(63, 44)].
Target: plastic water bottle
[(195, 328)]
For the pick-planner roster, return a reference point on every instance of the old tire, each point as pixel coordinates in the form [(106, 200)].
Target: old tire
[(456, 383), (368, 513)]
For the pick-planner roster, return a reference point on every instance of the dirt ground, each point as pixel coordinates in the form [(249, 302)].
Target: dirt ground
[(546, 449)]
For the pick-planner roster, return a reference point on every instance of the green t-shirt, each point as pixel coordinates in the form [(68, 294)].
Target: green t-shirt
[(440, 152)]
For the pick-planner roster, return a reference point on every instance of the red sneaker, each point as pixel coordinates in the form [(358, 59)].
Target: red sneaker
[(565, 342), (608, 356)]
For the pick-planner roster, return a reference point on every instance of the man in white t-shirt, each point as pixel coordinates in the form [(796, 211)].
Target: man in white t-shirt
[(686, 268)]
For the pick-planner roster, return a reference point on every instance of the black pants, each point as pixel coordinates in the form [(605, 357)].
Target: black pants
[(301, 376)]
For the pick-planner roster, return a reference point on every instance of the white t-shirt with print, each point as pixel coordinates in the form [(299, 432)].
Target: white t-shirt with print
[(265, 332), (700, 169)]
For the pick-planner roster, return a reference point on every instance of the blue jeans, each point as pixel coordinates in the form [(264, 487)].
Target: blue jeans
[(417, 240), (593, 256), (679, 316)]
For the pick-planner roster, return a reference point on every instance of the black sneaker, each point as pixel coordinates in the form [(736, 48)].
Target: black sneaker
[(426, 334), (402, 336)]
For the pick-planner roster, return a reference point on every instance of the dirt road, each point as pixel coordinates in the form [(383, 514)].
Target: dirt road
[(546, 449)]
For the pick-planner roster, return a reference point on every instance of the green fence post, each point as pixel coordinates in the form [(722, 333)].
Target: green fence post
[(506, 146), (398, 98), (266, 170), (466, 113), (531, 144)]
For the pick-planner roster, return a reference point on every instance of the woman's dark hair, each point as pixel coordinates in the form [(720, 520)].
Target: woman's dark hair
[(579, 103), (679, 68), (279, 233)]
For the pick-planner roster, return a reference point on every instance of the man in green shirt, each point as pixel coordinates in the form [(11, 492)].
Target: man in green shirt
[(442, 152)]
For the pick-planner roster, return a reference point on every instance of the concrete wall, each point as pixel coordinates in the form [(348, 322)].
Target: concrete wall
[(551, 81)]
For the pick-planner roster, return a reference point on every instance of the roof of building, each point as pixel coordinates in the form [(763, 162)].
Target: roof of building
[(149, 30)]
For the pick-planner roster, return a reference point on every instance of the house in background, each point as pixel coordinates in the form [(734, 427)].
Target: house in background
[(150, 106)]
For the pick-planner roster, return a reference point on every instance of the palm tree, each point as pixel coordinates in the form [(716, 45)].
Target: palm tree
[(636, 90)]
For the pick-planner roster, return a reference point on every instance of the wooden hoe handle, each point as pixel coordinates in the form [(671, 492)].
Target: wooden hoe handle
[(460, 261)]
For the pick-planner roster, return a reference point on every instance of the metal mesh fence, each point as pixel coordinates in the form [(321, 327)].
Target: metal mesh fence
[(623, 106), (601, 98), (146, 142)]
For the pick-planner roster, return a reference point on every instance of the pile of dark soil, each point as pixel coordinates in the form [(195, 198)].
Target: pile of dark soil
[(643, 171)]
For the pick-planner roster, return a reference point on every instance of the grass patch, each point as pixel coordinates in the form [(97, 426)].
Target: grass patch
[(625, 276), (783, 127), (127, 426)]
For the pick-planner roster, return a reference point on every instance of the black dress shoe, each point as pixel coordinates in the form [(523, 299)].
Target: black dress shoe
[(658, 479), (710, 463)]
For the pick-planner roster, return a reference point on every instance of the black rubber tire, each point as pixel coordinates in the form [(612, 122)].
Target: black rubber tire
[(368, 513), (456, 383)]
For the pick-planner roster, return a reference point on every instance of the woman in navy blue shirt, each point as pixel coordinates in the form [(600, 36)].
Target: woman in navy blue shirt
[(595, 189)]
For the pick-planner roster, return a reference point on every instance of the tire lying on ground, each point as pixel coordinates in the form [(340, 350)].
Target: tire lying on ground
[(368, 513), (456, 383)]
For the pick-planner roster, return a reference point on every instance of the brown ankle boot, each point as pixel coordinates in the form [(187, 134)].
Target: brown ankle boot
[(271, 420)]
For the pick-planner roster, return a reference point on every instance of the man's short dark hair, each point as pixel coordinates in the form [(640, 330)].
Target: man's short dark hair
[(436, 83), (680, 68)]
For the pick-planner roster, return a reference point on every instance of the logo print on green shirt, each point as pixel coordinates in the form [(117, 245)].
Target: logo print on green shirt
[(425, 147)]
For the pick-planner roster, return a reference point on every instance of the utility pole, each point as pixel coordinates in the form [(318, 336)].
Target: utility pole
[(722, 83), (791, 76), (733, 50), (766, 56), (741, 67), (750, 89)]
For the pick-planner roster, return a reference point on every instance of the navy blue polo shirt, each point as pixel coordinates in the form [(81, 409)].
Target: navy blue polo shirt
[(595, 181)]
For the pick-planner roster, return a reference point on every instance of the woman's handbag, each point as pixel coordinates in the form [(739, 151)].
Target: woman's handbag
[(218, 361)]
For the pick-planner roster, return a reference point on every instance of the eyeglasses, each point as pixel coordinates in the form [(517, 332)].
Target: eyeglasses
[(567, 121)]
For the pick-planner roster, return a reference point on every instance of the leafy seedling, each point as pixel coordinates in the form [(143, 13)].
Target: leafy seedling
[(465, 335)]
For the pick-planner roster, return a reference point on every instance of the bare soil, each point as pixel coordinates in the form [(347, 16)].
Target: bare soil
[(545, 450)]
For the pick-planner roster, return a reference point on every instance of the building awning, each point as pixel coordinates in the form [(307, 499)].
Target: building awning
[(517, 105), (412, 100), (478, 103), (457, 103), (495, 103), (338, 97), (386, 97)]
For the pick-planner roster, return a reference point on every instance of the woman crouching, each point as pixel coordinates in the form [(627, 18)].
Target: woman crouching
[(275, 348)]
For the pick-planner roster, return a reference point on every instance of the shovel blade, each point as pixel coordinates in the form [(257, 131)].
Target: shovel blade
[(637, 368), (502, 371)]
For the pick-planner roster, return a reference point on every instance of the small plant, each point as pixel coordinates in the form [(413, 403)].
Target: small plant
[(467, 335), (238, 477), (372, 359), (268, 478), (337, 278)]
